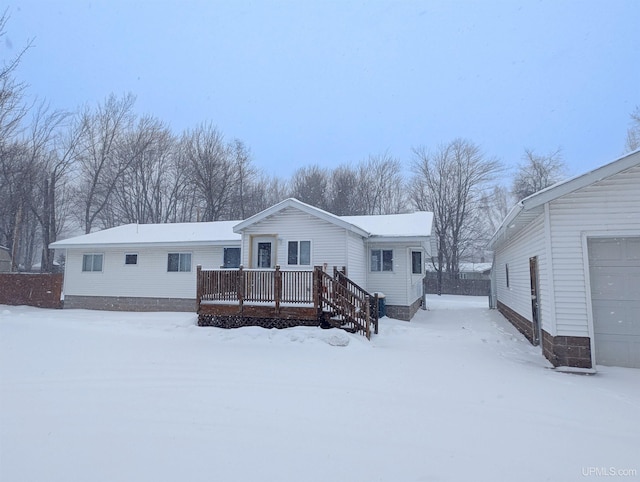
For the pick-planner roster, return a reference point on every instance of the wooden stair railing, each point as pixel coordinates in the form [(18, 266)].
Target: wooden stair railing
[(347, 304)]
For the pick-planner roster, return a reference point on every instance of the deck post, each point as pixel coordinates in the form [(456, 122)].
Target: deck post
[(317, 288), (367, 301), (240, 282), (277, 289), (198, 287), (376, 304)]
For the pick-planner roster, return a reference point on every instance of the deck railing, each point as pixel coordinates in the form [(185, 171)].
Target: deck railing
[(349, 303), (256, 286), (337, 296)]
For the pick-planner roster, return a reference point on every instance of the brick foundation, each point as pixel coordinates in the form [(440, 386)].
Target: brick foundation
[(565, 351), (240, 321), (404, 313), (124, 303), (523, 325)]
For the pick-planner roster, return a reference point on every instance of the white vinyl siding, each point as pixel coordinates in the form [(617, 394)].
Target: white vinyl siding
[(514, 257), (150, 279), (328, 241), (356, 259), (399, 286), (609, 206)]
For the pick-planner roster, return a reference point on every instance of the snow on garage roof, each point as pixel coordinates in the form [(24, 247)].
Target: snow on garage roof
[(169, 234)]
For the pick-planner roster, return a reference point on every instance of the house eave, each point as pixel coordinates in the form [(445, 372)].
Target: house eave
[(160, 244)]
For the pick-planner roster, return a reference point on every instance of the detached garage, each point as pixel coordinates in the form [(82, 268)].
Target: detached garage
[(566, 268)]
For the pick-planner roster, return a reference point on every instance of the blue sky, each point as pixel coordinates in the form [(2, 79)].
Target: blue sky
[(330, 82)]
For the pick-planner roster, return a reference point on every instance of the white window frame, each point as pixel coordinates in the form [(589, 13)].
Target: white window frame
[(298, 252), (130, 254), (180, 262), (93, 255), (380, 267)]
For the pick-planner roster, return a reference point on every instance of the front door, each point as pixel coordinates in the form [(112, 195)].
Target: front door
[(263, 252), (535, 307)]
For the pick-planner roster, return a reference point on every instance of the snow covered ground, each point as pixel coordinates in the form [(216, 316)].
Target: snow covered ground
[(456, 394)]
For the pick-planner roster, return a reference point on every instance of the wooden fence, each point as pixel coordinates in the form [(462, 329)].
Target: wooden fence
[(41, 290)]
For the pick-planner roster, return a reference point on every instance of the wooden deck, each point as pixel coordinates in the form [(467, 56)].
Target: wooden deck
[(251, 296)]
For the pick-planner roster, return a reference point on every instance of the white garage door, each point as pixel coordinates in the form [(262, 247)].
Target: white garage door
[(614, 266)]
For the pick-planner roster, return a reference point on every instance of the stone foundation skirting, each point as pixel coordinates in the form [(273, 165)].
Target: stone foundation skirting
[(241, 321), (126, 303), (565, 351), (404, 313)]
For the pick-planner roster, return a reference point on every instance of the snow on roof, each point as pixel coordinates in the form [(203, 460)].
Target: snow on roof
[(217, 232), (394, 225), (416, 224)]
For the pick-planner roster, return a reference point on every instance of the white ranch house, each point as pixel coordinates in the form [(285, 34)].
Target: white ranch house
[(153, 266), (566, 268)]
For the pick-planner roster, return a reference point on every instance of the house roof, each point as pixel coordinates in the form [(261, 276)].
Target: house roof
[(381, 228), (168, 234), (416, 224), (532, 206)]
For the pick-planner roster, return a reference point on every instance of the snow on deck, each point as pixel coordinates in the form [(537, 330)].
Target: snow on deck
[(456, 394)]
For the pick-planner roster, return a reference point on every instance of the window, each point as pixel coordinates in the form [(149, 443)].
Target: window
[(416, 262), (299, 252), (179, 262), (506, 272), (231, 258), (131, 258), (381, 260), (92, 262)]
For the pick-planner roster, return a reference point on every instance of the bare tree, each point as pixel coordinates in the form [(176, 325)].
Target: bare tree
[(344, 195), (310, 185), (140, 194), (12, 108), (633, 132), (381, 186), (451, 182), (241, 157), (212, 170), (51, 146), (494, 207), (100, 165), (537, 172)]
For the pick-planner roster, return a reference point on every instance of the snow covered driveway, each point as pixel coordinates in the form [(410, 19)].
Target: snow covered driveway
[(456, 394)]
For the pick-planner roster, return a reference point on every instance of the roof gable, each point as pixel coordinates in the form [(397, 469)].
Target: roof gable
[(306, 208), (531, 207)]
